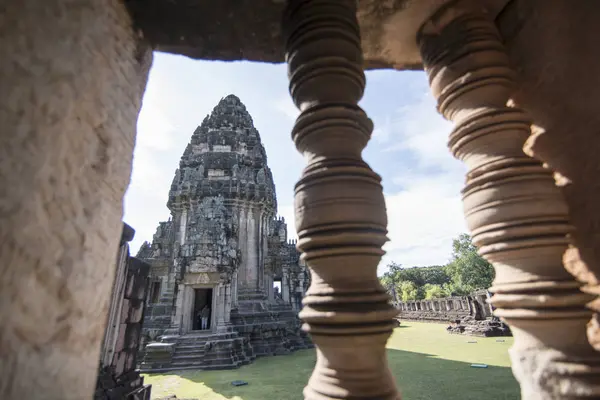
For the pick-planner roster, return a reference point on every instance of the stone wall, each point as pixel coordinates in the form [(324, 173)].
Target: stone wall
[(447, 309), (118, 377)]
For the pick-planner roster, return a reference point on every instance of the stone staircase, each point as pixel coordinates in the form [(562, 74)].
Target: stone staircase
[(197, 351), (257, 328)]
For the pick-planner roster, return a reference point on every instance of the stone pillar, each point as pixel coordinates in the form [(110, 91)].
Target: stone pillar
[(182, 226), (285, 285), (517, 216), (561, 97), (252, 267), (243, 245), (234, 290), (470, 306), (220, 307), (340, 210), (261, 278), (227, 315), (265, 242), (489, 308), (72, 77), (265, 288), (249, 279), (180, 302)]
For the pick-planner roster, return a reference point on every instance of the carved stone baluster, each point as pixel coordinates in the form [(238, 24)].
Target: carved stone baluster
[(340, 210), (517, 216)]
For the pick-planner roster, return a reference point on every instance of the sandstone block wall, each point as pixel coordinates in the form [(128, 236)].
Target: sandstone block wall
[(117, 376), (446, 309)]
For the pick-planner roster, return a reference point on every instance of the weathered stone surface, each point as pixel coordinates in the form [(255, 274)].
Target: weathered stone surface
[(484, 328), (224, 236), (117, 377), (468, 315), (251, 29)]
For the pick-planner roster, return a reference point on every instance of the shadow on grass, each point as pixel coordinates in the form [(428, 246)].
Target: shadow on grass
[(419, 376)]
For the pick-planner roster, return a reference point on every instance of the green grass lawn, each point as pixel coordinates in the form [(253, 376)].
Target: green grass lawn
[(428, 364)]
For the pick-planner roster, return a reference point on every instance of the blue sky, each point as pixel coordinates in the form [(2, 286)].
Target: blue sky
[(421, 179)]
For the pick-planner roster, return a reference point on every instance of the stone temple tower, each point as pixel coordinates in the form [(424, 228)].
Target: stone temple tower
[(216, 261)]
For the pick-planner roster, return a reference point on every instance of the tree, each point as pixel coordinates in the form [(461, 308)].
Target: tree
[(457, 289), (409, 283), (468, 270), (409, 291), (435, 291), (391, 280), (421, 276)]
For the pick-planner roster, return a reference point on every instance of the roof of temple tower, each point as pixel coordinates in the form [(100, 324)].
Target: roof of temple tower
[(225, 157)]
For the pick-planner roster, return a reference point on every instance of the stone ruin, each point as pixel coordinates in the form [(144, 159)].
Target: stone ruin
[(118, 377), (225, 248), (468, 315)]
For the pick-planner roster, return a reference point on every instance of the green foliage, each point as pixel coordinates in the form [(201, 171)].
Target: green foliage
[(456, 289), (435, 291), (466, 272), (408, 291)]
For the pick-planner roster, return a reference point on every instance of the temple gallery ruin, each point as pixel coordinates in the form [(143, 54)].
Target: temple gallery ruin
[(468, 315), (225, 281)]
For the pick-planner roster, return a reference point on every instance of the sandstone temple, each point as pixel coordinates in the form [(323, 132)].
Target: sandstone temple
[(223, 255), (518, 79)]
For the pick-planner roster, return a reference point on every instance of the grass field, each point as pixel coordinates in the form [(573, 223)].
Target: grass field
[(428, 364)]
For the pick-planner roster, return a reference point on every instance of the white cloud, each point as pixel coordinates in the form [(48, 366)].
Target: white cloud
[(423, 131), (426, 214), (422, 221), (382, 130), (287, 107)]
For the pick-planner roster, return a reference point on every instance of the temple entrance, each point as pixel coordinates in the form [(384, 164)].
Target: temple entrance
[(277, 293), (202, 299)]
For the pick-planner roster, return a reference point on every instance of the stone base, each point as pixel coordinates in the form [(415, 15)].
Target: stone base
[(129, 386), (271, 329), (198, 351), (434, 316), (490, 327), (258, 328)]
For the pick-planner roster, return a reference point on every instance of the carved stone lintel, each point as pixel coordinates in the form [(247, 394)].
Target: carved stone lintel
[(516, 214), (340, 210)]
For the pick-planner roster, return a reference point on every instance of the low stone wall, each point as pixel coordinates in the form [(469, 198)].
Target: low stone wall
[(467, 315), (448, 309), (433, 316)]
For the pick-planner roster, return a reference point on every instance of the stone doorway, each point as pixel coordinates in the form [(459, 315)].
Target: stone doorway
[(202, 297), (277, 289)]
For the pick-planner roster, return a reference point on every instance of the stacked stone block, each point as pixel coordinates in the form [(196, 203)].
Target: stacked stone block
[(118, 377)]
